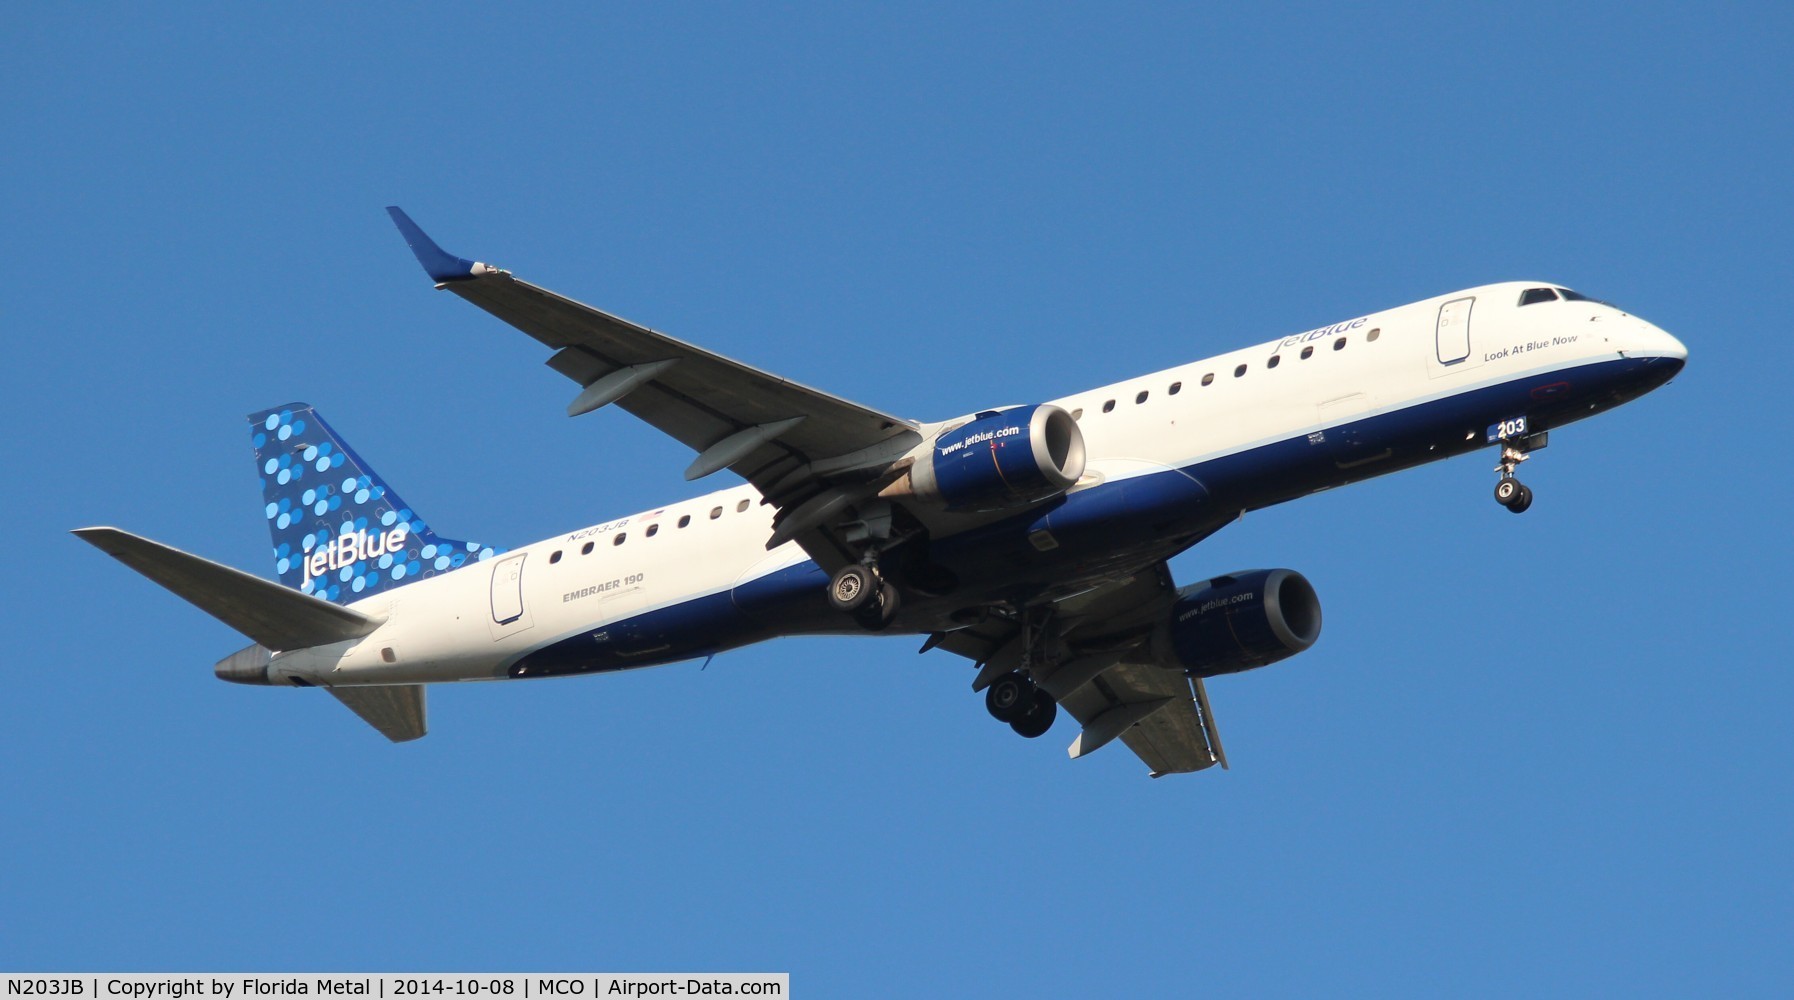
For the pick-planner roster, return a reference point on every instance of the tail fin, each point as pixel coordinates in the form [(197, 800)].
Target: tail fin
[(339, 532)]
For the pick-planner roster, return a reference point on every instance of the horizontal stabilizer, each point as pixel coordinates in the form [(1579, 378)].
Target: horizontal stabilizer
[(396, 710), (274, 616)]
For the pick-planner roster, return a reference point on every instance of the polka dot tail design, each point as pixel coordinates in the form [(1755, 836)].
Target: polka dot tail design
[(339, 532)]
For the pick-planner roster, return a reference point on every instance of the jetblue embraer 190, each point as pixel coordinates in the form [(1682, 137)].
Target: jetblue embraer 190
[(1030, 540)]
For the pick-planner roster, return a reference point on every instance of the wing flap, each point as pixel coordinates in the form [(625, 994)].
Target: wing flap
[(1168, 733), (1110, 683)]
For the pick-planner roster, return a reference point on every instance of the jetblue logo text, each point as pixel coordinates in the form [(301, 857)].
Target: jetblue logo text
[(347, 550)]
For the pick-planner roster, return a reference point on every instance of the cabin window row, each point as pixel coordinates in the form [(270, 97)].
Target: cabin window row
[(650, 531), (1238, 372)]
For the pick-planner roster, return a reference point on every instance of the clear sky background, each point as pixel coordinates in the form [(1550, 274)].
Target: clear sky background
[(1543, 755)]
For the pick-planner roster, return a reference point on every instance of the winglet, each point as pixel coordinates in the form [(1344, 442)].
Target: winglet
[(438, 263)]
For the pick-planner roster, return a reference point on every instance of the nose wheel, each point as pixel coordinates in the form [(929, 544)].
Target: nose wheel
[(1513, 494), (1510, 492)]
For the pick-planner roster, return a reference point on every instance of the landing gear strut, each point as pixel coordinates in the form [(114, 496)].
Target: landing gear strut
[(1013, 697), (1510, 492)]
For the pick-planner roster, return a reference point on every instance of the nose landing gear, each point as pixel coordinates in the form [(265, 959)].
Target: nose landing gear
[(1510, 492), (1513, 494)]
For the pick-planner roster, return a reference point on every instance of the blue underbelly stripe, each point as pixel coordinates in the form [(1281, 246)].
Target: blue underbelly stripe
[(1120, 525)]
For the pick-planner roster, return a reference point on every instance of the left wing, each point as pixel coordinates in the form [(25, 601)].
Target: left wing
[(809, 453), (1098, 664)]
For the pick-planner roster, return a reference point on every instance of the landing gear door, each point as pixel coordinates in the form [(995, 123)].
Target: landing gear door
[(1454, 348), (509, 614)]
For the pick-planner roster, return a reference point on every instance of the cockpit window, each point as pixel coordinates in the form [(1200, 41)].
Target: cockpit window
[(1575, 296), (1532, 295)]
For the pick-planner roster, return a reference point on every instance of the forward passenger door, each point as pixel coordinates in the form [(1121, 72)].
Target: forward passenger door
[(1454, 344)]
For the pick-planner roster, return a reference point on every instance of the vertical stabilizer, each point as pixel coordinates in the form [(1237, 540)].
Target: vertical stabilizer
[(339, 532)]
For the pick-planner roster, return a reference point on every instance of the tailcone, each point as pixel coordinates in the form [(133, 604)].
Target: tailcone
[(248, 665)]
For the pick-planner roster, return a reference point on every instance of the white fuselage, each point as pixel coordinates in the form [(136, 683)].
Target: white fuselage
[(474, 623)]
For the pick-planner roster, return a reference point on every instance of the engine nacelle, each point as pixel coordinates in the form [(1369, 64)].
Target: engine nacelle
[(997, 461), (1239, 621)]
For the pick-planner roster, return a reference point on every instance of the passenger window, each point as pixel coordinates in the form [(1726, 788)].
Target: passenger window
[(1241, 370), (684, 519), (716, 512), (1110, 405), (1275, 358), (1175, 386), (1339, 345), (740, 507), (619, 539), (653, 529), (1208, 379), (1375, 332), (1140, 399), (1307, 352), (586, 549), (556, 557)]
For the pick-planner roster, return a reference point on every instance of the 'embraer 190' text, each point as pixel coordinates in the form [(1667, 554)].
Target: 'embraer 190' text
[(349, 549)]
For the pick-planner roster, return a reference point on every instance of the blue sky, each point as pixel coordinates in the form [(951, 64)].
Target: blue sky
[(1545, 754)]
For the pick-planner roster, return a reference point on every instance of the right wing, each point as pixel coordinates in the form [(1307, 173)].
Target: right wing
[(1108, 678), (1161, 715), (809, 453)]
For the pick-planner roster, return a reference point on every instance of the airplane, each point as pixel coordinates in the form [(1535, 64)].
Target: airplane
[(1031, 540)]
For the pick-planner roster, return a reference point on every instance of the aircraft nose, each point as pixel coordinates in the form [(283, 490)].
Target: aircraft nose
[(1655, 342)]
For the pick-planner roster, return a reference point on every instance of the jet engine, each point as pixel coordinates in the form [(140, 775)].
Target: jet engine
[(1238, 622), (998, 460)]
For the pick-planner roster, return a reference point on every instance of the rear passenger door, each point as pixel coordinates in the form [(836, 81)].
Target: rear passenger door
[(509, 614)]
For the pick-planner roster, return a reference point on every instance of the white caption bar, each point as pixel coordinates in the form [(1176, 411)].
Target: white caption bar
[(383, 986)]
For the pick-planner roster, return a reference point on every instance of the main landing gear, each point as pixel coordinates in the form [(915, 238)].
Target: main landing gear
[(1014, 699), (860, 590), (1510, 492)]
